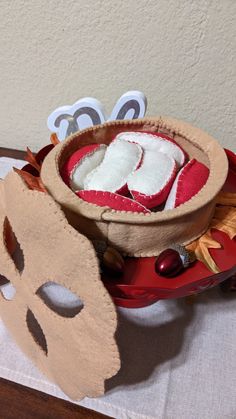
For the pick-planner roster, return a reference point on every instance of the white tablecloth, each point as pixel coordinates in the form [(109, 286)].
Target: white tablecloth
[(178, 361)]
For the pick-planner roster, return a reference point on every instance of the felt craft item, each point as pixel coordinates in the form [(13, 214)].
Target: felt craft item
[(189, 181), (112, 200), (35, 161), (138, 234), (224, 220), (151, 183), (76, 352), (121, 159), (81, 163), (156, 143), (33, 182)]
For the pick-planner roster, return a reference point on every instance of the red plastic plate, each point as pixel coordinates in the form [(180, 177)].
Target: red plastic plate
[(140, 286)]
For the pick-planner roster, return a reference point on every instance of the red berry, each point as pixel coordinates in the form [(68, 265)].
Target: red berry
[(169, 263)]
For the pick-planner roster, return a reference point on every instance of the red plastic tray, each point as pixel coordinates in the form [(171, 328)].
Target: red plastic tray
[(140, 286)]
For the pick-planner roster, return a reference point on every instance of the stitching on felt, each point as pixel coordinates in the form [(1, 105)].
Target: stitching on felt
[(66, 226), (171, 127), (68, 190), (155, 136), (185, 170), (113, 196), (147, 197), (123, 183), (85, 157)]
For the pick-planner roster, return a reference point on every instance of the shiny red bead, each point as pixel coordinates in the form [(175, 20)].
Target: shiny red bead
[(169, 263)]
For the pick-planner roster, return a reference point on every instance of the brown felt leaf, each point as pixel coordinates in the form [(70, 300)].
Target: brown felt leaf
[(201, 249), (224, 220), (33, 182), (54, 139), (30, 158)]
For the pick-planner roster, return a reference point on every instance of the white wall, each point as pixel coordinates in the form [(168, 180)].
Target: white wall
[(181, 53)]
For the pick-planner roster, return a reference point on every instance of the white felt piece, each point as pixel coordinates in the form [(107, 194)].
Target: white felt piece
[(170, 202), (88, 163), (154, 143), (121, 159), (153, 175)]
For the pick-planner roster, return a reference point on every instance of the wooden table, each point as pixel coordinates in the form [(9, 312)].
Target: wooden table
[(17, 401)]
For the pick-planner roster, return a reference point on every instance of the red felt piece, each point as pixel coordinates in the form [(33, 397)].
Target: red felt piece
[(112, 200), (188, 183), (74, 159), (151, 201)]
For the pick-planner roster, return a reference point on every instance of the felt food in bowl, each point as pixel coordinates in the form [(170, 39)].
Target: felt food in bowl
[(81, 163), (142, 163), (189, 181)]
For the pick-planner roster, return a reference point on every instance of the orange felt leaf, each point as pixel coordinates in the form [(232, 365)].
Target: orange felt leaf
[(31, 181), (225, 220), (30, 158), (54, 139), (200, 248)]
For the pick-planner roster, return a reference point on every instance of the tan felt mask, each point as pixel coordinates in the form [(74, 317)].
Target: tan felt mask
[(77, 352)]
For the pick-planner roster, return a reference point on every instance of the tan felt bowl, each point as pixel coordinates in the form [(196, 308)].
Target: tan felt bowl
[(138, 234)]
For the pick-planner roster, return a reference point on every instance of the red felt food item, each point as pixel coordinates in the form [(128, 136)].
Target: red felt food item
[(188, 183), (156, 143), (112, 200), (151, 183), (81, 163), (121, 159)]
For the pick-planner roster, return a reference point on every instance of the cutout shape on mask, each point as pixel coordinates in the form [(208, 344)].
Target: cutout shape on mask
[(60, 299)]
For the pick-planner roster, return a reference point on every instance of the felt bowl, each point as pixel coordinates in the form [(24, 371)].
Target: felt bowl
[(137, 234)]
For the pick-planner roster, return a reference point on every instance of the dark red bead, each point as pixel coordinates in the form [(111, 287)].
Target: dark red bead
[(169, 263)]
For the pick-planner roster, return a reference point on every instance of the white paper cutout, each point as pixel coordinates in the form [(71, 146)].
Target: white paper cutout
[(88, 112), (131, 105)]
